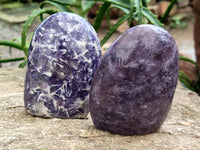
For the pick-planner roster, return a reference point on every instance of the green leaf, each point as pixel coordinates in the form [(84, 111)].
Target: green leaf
[(151, 17), (108, 15), (113, 29), (185, 81), (13, 44), (125, 10), (145, 2), (61, 7), (185, 77), (163, 18), (131, 11), (191, 61), (17, 39), (100, 16), (145, 12), (86, 5), (23, 64), (73, 3), (11, 60), (138, 6), (185, 84), (28, 23), (194, 86), (123, 3)]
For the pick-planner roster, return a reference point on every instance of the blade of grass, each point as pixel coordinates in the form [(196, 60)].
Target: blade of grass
[(100, 16), (123, 3), (183, 76), (23, 64), (186, 85), (73, 3), (125, 10), (28, 23), (86, 5), (10, 50), (61, 7), (191, 61), (113, 29), (131, 11), (57, 5), (166, 14), (110, 8), (13, 44), (185, 81), (144, 3), (108, 15), (138, 6), (11, 60), (151, 17)]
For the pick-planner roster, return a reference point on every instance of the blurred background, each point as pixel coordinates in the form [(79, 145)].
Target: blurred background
[(180, 23)]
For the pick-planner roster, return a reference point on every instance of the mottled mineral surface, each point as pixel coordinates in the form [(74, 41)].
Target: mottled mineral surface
[(63, 54), (134, 85)]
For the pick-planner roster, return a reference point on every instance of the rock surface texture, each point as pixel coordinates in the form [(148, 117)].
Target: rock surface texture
[(63, 54), (19, 130), (134, 84)]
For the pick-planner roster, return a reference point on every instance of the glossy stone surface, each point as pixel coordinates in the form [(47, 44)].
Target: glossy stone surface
[(134, 84), (63, 55)]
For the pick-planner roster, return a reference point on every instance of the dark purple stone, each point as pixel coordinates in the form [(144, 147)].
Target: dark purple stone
[(63, 55), (134, 84)]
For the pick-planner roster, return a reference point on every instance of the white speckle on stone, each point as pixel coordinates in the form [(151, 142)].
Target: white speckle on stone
[(64, 43), (52, 31), (145, 106), (48, 73), (61, 24), (50, 35)]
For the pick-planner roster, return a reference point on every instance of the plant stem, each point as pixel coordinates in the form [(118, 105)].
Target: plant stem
[(12, 60), (13, 44), (163, 18)]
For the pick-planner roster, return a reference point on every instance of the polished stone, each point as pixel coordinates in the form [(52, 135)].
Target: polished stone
[(63, 55), (134, 84)]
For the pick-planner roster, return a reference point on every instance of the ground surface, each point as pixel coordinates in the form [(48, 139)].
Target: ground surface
[(19, 130)]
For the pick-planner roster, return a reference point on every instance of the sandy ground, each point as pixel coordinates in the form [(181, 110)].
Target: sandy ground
[(183, 38), (21, 131)]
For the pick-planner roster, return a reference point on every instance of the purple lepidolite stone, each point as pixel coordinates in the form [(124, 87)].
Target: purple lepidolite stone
[(134, 84), (63, 55)]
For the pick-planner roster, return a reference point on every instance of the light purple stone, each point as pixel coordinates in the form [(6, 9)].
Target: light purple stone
[(134, 84), (63, 55)]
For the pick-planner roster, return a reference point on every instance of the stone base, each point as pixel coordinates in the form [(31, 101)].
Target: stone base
[(19, 130)]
